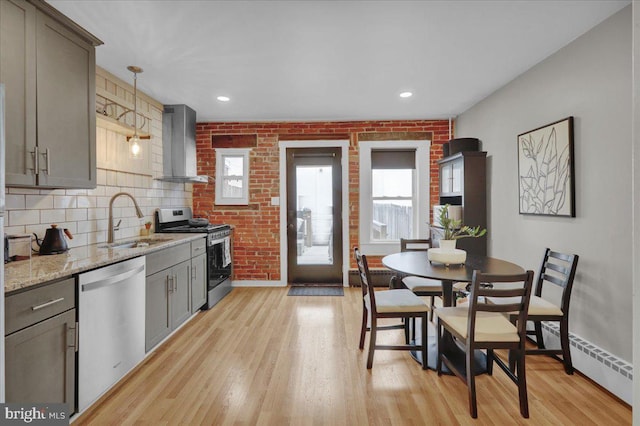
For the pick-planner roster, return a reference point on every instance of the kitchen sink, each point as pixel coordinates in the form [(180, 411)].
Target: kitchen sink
[(137, 243)]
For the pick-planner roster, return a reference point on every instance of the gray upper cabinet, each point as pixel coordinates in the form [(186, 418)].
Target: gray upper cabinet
[(47, 64), (18, 73), (66, 82)]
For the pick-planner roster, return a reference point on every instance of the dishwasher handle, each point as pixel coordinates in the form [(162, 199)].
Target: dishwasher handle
[(112, 280)]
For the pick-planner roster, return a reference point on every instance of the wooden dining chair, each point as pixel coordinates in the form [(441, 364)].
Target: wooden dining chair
[(419, 285), (485, 326), (400, 303), (557, 269)]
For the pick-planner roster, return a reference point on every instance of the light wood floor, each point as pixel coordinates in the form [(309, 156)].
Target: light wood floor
[(262, 358)]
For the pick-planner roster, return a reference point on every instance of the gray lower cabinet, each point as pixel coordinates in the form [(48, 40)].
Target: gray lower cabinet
[(180, 295), (41, 345), (168, 292), (198, 274)]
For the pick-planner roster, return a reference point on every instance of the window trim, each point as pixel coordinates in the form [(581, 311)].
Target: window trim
[(421, 179), (232, 152)]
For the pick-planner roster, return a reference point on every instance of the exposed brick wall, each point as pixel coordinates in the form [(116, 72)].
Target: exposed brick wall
[(257, 226)]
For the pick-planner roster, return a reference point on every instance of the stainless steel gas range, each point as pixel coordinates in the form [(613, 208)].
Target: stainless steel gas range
[(219, 250)]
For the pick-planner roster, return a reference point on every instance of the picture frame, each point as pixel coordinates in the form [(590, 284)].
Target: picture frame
[(546, 171)]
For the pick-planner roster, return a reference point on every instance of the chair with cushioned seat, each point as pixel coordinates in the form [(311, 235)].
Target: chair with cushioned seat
[(400, 303), (421, 286), (558, 269), (482, 325)]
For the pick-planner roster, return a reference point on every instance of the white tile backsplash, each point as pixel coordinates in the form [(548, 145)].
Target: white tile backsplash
[(85, 201), (23, 217), (52, 216), (76, 215), (85, 212), (39, 202), (15, 201), (64, 202)]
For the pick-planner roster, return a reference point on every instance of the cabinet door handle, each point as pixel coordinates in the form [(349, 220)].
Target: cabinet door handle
[(194, 273), (75, 337), (175, 283), (47, 161), (169, 287), (44, 305), (36, 160)]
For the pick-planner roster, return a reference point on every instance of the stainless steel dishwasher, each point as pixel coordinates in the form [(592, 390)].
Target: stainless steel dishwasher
[(111, 303)]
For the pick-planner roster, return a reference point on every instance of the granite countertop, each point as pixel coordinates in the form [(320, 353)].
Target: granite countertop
[(40, 269)]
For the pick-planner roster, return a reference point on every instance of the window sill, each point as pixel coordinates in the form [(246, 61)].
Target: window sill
[(380, 249)]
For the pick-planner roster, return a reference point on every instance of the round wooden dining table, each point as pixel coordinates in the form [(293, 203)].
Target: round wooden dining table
[(416, 263)]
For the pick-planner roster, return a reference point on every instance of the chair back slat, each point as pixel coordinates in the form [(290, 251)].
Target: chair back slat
[(518, 286), (558, 269), (562, 282), (407, 244), (365, 278), (500, 292), (561, 256), (503, 307)]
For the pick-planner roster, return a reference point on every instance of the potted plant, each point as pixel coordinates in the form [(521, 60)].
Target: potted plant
[(455, 230)]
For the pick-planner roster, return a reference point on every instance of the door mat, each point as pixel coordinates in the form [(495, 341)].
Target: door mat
[(315, 291)]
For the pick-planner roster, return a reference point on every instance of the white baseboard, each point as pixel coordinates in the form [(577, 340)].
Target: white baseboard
[(610, 372), (251, 283)]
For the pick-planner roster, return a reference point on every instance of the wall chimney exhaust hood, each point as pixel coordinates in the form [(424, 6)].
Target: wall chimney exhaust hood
[(179, 145)]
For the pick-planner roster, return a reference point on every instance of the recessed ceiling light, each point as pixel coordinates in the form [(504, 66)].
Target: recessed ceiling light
[(406, 94), (223, 98)]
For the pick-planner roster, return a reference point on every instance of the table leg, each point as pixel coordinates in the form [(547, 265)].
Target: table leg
[(453, 351)]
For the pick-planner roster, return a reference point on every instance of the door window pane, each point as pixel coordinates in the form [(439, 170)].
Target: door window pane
[(314, 207)]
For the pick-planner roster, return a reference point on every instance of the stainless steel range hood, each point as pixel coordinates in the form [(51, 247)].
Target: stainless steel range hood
[(179, 145)]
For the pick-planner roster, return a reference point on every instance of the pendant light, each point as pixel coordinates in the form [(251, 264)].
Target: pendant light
[(135, 150)]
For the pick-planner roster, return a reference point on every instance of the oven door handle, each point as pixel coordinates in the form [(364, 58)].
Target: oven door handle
[(218, 241)]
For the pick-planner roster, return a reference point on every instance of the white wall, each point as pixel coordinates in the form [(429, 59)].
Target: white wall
[(589, 79)]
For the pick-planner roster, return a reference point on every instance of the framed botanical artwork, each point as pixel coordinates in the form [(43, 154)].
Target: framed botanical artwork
[(546, 170)]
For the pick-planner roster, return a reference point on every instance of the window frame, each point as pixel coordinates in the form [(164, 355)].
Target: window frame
[(220, 177), (421, 193)]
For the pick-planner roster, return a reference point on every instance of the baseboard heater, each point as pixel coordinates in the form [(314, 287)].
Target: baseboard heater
[(609, 371), (379, 276)]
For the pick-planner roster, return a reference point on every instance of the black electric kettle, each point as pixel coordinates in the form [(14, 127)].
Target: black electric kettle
[(54, 241)]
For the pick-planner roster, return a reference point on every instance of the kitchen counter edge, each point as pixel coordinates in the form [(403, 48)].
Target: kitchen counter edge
[(40, 269)]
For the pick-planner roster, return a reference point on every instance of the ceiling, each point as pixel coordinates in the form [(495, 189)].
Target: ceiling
[(329, 60)]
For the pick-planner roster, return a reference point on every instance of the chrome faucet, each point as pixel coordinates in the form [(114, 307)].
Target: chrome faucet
[(110, 225)]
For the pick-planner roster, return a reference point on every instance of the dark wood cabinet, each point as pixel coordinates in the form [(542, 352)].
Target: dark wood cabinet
[(463, 182)]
